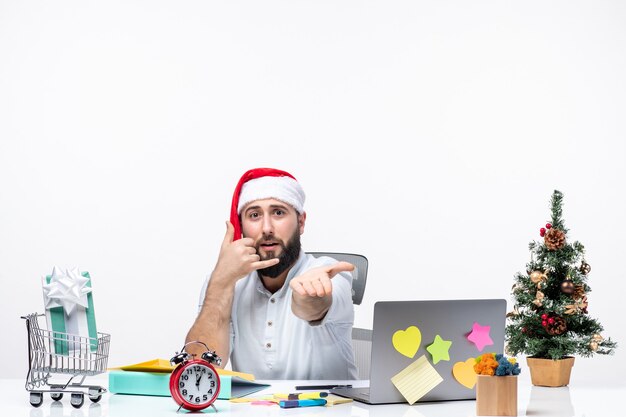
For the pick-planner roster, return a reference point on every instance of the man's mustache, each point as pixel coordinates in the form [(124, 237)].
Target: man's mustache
[(270, 241)]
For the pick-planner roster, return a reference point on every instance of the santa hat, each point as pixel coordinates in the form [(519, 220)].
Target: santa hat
[(262, 183)]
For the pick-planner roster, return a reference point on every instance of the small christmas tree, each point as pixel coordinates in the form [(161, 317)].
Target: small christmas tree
[(550, 318)]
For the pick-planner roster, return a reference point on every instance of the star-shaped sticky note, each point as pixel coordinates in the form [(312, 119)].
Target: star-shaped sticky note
[(439, 349), (480, 336)]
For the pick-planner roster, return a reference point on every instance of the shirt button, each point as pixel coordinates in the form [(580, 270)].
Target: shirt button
[(272, 300), (268, 345), (269, 323)]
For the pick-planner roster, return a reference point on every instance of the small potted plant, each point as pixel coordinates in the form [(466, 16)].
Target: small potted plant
[(550, 321), (496, 388)]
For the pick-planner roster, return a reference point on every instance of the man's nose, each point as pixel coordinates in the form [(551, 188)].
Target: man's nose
[(268, 226)]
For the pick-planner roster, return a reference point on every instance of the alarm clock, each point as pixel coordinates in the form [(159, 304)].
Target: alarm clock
[(194, 383)]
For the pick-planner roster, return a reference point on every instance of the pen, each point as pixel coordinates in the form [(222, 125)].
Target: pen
[(301, 403), (301, 396), (301, 387)]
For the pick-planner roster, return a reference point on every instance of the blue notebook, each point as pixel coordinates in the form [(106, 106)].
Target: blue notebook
[(158, 384)]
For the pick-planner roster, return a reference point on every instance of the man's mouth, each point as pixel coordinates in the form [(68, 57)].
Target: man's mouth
[(269, 246)]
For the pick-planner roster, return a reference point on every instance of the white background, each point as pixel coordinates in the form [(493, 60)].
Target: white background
[(428, 136)]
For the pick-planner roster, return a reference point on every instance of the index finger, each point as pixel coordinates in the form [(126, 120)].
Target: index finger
[(339, 267), (264, 264)]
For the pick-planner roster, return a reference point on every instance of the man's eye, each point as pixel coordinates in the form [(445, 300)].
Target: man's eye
[(253, 215), (279, 212)]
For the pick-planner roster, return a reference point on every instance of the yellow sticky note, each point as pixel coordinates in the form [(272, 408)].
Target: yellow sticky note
[(163, 365), (154, 365), (464, 373), (336, 400), (416, 380), (407, 342)]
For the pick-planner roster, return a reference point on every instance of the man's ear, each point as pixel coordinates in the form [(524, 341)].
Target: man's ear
[(301, 221)]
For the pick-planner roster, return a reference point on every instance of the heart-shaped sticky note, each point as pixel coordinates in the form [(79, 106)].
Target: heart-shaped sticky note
[(464, 373), (407, 341)]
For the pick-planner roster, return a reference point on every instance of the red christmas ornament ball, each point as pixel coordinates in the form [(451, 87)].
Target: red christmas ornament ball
[(544, 323), (548, 226), (542, 232), (544, 316), (551, 320)]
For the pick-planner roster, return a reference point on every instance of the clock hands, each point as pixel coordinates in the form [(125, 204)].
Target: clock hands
[(198, 378)]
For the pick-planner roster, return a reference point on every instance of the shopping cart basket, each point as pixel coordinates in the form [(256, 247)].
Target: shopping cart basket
[(67, 354)]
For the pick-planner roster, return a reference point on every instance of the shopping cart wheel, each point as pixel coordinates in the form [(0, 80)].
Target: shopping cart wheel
[(95, 394), (36, 399), (56, 396), (77, 400)]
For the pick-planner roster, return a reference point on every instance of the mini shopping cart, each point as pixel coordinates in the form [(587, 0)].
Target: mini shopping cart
[(67, 354)]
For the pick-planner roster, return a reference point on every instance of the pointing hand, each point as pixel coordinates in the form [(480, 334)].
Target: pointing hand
[(316, 282)]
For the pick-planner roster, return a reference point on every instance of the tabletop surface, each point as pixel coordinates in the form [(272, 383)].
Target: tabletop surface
[(579, 400)]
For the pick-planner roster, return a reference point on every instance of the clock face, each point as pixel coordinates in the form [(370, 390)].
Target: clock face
[(198, 384)]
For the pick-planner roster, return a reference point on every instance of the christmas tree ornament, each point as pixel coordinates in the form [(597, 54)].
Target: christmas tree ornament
[(596, 339), (585, 268), (539, 278), (578, 306), (513, 313), (579, 292), (556, 326), (542, 232), (584, 304), (548, 226), (538, 301), (544, 316), (554, 239), (567, 286)]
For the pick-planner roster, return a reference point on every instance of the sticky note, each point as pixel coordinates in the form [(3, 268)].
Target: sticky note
[(263, 402), (480, 336), (254, 399), (464, 373), (416, 380), (439, 349), (407, 341), (335, 400)]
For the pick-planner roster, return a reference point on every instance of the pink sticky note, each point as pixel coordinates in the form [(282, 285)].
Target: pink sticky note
[(480, 336), (263, 402)]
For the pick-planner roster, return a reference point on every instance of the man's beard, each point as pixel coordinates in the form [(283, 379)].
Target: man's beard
[(288, 255)]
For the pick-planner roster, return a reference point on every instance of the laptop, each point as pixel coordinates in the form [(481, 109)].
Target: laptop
[(454, 321)]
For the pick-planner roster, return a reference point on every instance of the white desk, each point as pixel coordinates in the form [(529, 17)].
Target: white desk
[(577, 400)]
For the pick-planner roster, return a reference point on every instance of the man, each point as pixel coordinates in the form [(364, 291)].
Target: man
[(277, 312)]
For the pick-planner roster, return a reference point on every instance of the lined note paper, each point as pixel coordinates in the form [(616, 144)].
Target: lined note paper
[(416, 380)]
